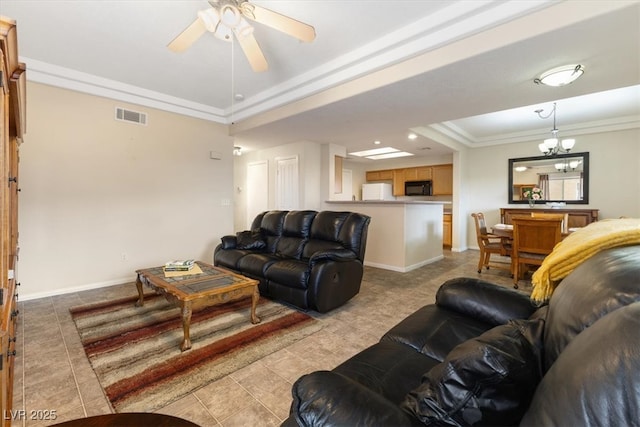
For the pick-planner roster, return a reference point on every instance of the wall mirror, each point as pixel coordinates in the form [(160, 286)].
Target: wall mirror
[(562, 178)]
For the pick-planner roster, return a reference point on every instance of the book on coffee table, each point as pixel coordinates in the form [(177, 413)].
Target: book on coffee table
[(179, 265)]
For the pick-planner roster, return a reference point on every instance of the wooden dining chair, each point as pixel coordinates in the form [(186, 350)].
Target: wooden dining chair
[(490, 244), (533, 240), (564, 217)]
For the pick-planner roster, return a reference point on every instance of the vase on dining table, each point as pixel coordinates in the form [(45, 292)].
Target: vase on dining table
[(532, 203)]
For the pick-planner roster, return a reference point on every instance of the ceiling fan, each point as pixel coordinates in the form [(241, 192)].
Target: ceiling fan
[(227, 17)]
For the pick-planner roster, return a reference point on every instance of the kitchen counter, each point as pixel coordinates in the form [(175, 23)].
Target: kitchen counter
[(389, 202), (403, 234)]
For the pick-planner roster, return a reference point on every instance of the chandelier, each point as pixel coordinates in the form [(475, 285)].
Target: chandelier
[(552, 146), (567, 165)]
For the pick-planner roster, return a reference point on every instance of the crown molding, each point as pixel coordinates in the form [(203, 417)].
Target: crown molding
[(453, 22), (53, 75), (451, 130)]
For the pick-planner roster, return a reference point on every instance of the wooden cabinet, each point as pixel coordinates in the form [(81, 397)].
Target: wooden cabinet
[(577, 217), (421, 173), (442, 177), (383, 175), (398, 182), (424, 173), (447, 231), (12, 110)]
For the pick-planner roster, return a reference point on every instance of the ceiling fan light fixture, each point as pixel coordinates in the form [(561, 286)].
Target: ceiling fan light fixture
[(230, 15), (243, 29), (223, 32), (561, 76), (209, 18)]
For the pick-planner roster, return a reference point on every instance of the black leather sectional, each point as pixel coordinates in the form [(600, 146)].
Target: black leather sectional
[(484, 355), (313, 260)]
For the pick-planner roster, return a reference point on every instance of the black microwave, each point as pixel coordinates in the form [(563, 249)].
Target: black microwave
[(417, 188)]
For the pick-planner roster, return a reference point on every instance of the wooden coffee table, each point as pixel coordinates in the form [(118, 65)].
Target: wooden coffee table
[(214, 286)]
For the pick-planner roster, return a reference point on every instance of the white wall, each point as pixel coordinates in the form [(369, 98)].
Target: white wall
[(481, 178), (614, 184), (309, 170), (102, 198)]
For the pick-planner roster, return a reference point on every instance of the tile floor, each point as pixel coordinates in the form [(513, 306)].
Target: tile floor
[(53, 374)]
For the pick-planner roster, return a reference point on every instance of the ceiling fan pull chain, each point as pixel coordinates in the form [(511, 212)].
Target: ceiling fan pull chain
[(233, 80)]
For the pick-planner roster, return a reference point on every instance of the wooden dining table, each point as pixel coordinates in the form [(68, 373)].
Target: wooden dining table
[(506, 230), (503, 230)]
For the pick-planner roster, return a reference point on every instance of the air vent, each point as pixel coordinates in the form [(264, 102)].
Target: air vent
[(130, 116)]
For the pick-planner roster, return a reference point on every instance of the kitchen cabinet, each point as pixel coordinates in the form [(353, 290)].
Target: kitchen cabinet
[(442, 177), (382, 175), (421, 173), (447, 231), (398, 182)]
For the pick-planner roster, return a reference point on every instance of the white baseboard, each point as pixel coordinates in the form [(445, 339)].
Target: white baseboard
[(87, 287), (403, 269)]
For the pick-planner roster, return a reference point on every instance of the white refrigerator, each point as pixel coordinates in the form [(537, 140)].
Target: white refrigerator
[(377, 191)]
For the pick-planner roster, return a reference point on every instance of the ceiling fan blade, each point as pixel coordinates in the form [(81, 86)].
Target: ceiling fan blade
[(186, 38), (253, 52), (285, 24)]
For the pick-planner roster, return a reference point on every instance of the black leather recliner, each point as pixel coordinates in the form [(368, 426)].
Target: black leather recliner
[(313, 260), (484, 355)]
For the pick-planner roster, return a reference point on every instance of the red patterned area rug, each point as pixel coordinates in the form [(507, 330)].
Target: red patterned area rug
[(135, 352)]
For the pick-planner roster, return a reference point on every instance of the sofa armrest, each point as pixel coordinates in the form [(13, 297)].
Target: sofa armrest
[(485, 301), (332, 255), (325, 398), (229, 242)]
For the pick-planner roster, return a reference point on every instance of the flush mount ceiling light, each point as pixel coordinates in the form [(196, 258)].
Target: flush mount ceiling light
[(412, 136), (381, 153), (560, 76), (520, 168)]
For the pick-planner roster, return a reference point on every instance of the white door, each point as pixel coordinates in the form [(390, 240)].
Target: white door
[(257, 189), (287, 185)]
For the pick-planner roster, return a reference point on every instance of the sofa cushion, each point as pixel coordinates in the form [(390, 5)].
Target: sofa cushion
[(295, 233), (292, 272), (256, 264), (484, 301), (327, 225), (298, 223), (314, 246), (229, 257), (435, 331), (595, 381), (271, 227), (250, 240), (388, 368), (488, 380), (326, 398), (608, 281)]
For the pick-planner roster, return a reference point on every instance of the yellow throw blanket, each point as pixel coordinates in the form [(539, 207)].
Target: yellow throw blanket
[(578, 247)]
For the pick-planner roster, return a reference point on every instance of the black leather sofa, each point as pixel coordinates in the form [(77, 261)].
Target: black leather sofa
[(313, 260), (484, 355)]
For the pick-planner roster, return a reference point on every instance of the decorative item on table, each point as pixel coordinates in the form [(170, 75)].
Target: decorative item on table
[(532, 195), (178, 265), (556, 205)]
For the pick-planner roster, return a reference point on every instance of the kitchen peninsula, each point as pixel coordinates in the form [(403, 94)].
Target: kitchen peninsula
[(403, 235)]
